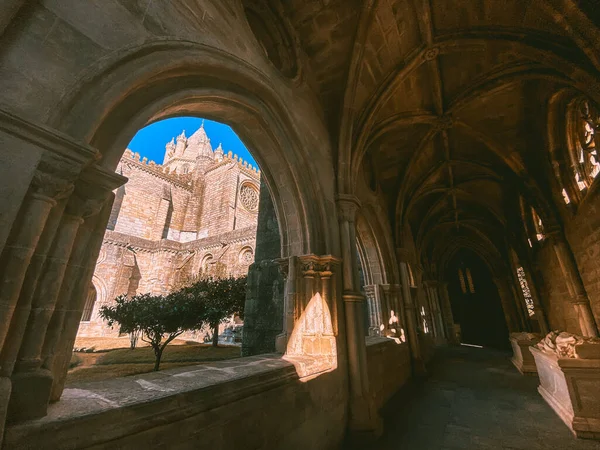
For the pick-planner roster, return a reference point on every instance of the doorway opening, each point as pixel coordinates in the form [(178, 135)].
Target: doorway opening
[(475, 302)]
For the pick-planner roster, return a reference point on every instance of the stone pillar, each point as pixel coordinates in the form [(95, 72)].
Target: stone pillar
[(446, 308), (375, 318), (509, 305), (46, 163), (537, 305), (410, 312), (362, 415), (579, 298), (31, 382), (436, 311), (265, 299), (429, 297), (14, 263), (288, 268), (58, 346)]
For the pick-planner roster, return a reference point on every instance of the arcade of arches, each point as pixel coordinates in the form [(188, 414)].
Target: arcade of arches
[(429, 172)]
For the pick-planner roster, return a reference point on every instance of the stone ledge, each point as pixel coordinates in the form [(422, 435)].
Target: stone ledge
[(97, 412)]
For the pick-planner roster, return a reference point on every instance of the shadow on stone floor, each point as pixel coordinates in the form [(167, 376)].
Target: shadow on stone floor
[(474, 399)]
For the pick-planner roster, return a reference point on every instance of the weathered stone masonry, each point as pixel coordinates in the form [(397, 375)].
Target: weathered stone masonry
[(196, 212)]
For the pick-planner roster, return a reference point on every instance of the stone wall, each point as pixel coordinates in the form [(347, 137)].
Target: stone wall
[(246, 403), (389, 368), (582, 230), (155, 241)]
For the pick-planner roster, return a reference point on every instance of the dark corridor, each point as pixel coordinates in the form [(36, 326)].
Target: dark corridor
[(476, 305)]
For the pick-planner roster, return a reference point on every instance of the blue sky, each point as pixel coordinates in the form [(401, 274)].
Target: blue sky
[(150, 141)]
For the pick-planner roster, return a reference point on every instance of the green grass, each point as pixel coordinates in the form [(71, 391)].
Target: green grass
[(105, 372), (172, 354), (124, 362)]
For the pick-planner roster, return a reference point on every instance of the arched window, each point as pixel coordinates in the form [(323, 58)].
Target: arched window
[(470, 281), (537, 225), (461, 278), (466, 281), (583, 122)]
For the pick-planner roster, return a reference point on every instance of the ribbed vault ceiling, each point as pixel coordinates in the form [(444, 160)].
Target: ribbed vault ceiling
[(445, 100)]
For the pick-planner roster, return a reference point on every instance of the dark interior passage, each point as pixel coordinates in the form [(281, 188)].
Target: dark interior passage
[(474, 399), (476, 305)]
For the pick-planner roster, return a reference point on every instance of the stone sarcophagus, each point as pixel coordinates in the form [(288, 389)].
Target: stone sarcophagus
[(522, 357), (569, 369)]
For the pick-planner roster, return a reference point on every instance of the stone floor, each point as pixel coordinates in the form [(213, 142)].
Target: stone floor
[(474, 399)]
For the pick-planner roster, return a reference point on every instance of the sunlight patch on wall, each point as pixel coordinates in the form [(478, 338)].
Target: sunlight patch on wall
[(312, 346)]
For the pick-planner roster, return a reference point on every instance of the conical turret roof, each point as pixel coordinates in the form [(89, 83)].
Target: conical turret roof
[(198, 144)]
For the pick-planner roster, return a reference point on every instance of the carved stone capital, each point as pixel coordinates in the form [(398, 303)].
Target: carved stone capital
[(85, 207), (347, 206), (370, 291), (284, 267), (51, 186)]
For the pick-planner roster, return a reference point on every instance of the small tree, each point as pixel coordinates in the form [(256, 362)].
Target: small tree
[(159, 319), (220, 298)]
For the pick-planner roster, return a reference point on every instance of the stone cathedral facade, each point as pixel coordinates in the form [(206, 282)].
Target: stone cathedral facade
[(196, 212)]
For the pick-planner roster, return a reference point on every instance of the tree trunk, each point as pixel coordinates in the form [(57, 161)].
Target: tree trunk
[(157, 354), (215, 340)]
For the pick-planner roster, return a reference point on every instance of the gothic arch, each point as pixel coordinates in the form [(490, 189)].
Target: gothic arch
[(170, 78)]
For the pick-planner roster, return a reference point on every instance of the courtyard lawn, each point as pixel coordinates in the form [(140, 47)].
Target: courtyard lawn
[(125, 362), (176, 353)]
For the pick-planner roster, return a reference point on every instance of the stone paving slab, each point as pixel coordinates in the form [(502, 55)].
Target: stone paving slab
[(474, 399)]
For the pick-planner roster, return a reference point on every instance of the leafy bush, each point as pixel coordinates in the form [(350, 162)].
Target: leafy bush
[(158, 319), (220, 298)]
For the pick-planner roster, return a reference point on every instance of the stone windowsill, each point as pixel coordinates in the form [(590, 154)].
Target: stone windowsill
[(123, 406)]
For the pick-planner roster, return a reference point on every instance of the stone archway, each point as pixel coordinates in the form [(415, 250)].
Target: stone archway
[(141, 86)]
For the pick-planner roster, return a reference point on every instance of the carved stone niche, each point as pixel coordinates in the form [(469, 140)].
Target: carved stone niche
[(313, 287), (522, 357), (569, 369)]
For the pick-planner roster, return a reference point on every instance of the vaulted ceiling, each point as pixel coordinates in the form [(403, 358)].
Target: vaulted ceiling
[(445, 101)]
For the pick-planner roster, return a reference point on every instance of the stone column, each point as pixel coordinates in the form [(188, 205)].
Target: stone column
[(509, 306), (537, 305), (32, 382), (375, 319), (362, 416), (446, 307), (58, 347), (288, 268), (411, 312), (15, 260), (429, 297), (436, 312), (579, 298)]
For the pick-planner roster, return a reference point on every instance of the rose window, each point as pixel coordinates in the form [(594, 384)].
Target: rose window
[(247, 256), (249, 197)]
